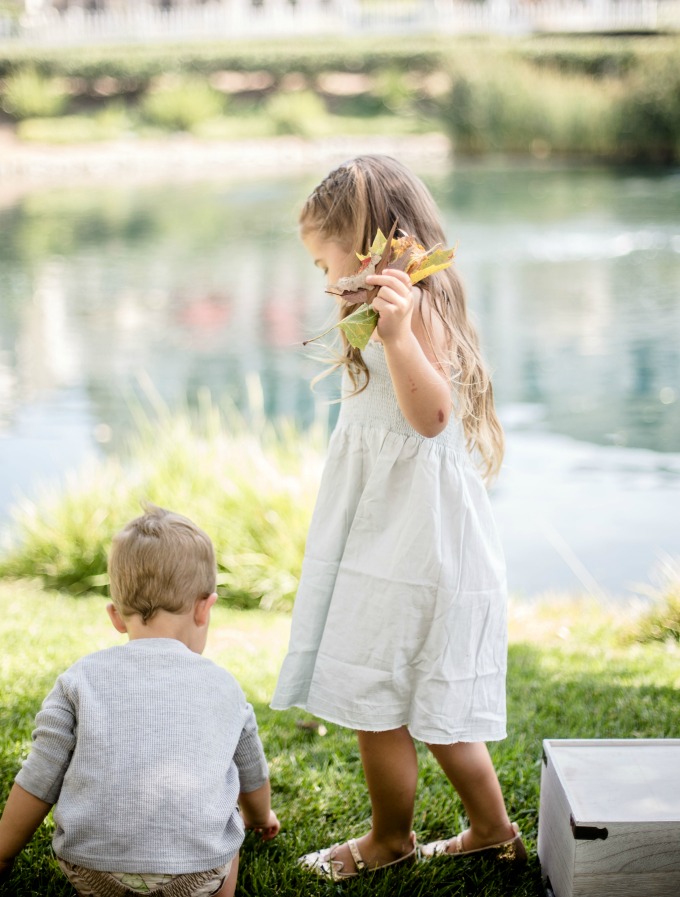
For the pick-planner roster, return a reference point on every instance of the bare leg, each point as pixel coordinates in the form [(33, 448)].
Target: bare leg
[(229, 886), (391, 769), (470, 770)]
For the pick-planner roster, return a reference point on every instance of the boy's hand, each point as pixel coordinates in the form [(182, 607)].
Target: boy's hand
[(5, 869), (268, 831)]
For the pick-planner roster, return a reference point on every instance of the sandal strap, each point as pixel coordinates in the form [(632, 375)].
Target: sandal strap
[(356, 855)]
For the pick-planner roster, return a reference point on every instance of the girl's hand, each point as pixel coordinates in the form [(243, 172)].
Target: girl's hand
[(394, 302), (268, 831)]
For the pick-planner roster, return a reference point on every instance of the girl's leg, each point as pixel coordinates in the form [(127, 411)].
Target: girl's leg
[(229, 886), (469, 768), (391, 770)]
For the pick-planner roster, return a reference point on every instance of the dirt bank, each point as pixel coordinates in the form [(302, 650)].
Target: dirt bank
[(25, 166)]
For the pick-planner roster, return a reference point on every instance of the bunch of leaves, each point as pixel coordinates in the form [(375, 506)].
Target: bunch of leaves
[(402, 253)]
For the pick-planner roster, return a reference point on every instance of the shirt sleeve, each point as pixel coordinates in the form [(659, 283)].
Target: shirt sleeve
[(249, 755), (43, 771)]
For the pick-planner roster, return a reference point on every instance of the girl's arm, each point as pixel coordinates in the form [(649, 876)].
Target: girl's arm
[(257, 812), (20, 820), (420, 383)]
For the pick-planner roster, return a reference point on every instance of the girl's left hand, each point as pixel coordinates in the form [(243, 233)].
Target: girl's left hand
[(394, 302)]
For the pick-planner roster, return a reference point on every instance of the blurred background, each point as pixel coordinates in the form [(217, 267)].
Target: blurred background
[(152, 164)]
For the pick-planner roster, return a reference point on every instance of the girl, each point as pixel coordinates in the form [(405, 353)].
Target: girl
[(399, 626)]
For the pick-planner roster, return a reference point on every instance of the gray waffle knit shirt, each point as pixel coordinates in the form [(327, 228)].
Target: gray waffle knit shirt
[(144, 748)]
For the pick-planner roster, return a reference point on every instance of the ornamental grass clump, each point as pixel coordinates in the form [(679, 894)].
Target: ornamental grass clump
[(251, 486), (660, 621)]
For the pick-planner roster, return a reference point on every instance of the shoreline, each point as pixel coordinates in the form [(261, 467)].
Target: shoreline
[(27, 166)]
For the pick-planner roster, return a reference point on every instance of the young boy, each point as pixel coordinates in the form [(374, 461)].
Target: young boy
[(146, 749)]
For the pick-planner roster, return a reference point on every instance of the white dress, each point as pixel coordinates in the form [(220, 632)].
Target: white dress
[(400, 615)]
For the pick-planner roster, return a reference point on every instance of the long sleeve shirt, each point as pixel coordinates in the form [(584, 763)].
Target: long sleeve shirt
[(144, 749)]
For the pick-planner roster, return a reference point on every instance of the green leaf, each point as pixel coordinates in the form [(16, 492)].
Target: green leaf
[(359, 326)]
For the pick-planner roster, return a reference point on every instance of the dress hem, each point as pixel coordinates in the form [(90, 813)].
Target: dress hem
[(464, 736)]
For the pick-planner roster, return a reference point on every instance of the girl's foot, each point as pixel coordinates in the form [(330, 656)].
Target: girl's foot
[(510, 847), (356, 857)]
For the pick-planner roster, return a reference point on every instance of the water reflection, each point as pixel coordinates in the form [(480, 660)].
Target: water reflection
[(573, 276)]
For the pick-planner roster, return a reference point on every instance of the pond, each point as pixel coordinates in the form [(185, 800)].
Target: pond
[(573, 276)]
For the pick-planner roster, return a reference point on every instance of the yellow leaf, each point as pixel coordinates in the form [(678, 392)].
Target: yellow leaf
[(433, 261)]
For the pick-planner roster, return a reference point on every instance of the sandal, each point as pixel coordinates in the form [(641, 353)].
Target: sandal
[(322, 863), (512, 850)]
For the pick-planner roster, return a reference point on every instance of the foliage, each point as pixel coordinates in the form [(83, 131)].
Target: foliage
[(251, 487), (136, 65), (506, 107), (648, 114), (27, 93), (295, 112), (660, 621), (181, 104), (563, 657), (110, 123), (614, 98)]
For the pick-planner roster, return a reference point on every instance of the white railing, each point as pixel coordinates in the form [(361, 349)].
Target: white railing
[(238, 19)]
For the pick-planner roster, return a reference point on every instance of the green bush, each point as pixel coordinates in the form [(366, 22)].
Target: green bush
[(296, 112), (28, 94), (510, 107), (251, 487), (648, 114), (182, 105)]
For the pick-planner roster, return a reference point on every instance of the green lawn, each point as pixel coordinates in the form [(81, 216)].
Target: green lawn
[(574, 671)]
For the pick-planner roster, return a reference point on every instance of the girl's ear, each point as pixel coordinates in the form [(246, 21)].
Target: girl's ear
[(202, 609), (118, 622)]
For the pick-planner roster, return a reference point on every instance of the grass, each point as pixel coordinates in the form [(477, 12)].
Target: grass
[(575, 670)]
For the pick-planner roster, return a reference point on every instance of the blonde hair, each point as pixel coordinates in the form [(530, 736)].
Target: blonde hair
[(160, 561), (370, 193)]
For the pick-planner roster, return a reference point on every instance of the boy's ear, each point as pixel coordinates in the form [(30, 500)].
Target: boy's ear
[(115, 617), (202, 609)]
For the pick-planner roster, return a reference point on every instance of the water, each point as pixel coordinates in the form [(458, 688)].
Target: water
[(573, 277)]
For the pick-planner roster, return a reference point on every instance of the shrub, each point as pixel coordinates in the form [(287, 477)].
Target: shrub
[(250, 487), (182, 104), (648, 115), (507, 107), (28, 94), (296, 112)]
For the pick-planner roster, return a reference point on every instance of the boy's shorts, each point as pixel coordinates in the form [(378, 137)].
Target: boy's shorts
[(92, 883)]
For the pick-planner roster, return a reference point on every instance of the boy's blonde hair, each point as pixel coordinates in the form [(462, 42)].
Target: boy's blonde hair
[(160, 561), (370, 193)]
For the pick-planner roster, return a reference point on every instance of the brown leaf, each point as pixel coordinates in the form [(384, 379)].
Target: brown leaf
[(353, 289)]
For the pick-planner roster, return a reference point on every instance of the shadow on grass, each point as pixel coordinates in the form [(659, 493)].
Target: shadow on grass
[(320, 796)]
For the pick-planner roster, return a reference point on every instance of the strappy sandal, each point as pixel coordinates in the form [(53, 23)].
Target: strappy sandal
[(322, 863), (512, 850)]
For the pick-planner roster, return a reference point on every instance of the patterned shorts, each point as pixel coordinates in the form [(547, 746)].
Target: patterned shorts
[(92, 883)]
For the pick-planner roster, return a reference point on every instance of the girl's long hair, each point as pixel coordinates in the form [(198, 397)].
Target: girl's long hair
[(372, 192)]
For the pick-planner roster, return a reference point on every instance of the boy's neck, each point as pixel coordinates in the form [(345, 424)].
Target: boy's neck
[(162, 625), (190, 628)]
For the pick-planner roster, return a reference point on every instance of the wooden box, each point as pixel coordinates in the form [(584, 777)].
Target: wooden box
[(609, 818)]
